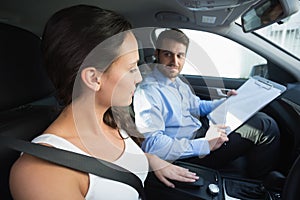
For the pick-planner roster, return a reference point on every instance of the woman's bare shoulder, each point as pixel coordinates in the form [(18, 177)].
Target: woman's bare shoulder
[(33, 178)]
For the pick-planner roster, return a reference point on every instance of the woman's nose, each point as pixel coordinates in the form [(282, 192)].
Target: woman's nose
[(138, 77)]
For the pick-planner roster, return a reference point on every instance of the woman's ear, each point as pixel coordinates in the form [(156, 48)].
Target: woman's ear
[(91, 78)]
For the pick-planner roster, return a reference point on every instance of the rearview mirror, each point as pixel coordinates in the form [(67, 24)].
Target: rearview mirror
[(267, 12)]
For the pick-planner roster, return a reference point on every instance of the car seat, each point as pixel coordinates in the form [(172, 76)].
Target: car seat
[(291, 188), (27, 103)]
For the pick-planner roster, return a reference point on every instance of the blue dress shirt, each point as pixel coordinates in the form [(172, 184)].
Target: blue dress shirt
[(166, 113)]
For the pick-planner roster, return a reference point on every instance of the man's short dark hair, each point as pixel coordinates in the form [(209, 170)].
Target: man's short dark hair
[(172, 34)]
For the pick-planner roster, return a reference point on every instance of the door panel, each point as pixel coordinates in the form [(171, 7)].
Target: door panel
[(212, 87)]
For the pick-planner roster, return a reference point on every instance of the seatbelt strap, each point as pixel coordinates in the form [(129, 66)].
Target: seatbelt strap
[(76, 161)]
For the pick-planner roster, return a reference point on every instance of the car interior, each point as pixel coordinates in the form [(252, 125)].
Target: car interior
[(28, 104)]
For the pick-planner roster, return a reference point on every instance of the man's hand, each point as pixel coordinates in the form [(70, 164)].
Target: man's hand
[(216, 136), (231, 92)]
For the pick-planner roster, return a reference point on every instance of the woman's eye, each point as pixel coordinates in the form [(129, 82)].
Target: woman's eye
[(133, 70)]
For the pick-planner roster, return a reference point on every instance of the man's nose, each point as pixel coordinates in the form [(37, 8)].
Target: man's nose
[(175, 59)]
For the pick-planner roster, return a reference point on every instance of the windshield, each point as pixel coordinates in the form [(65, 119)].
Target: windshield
[(285, 35)]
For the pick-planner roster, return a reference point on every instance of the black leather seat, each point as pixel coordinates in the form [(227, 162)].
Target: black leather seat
[(27, 104), (291, 188)]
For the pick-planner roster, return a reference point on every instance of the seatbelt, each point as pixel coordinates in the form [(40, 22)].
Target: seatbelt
[(76, 161)]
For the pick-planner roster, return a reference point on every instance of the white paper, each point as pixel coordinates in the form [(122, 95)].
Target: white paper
[(251, 97)]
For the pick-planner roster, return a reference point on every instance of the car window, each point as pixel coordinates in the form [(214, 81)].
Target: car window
[(286, 35), (219, 56), (213, 55)]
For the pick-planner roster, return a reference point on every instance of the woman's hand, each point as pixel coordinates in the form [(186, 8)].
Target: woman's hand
[(164, 171)]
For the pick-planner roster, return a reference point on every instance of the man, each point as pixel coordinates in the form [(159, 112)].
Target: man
[(168, 113)]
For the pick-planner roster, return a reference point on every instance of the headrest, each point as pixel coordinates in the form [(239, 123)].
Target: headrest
[(22, 77)]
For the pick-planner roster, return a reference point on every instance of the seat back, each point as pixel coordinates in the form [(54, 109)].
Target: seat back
[(27, 105), (285, 110), (291, 188)]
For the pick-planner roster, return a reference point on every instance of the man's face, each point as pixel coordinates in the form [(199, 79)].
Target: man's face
[(171, 58)]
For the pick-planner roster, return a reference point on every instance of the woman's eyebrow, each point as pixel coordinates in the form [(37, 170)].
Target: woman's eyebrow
[(134, 62)]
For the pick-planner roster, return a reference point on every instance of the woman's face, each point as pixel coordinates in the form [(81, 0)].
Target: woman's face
[(119, 81)]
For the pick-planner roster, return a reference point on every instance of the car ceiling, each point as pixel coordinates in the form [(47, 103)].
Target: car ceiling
[(32, 14)]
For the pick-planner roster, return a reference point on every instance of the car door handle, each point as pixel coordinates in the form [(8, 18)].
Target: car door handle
[(222, 92)]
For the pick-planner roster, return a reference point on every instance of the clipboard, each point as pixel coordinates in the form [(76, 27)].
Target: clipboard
[(253, 95)]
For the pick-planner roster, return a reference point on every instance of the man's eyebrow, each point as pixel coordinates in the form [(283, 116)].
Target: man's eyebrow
[(167, 51)]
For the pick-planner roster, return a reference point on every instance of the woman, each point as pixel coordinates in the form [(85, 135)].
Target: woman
[(91, 56)]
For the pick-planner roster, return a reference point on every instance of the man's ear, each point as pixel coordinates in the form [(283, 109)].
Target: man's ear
[(91, 77), (156, 55)]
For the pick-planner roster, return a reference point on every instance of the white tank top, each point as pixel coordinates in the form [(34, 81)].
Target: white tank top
[(132, 159)]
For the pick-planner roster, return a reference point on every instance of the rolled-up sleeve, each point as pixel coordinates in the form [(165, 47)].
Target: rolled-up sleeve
[(168, 148)]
